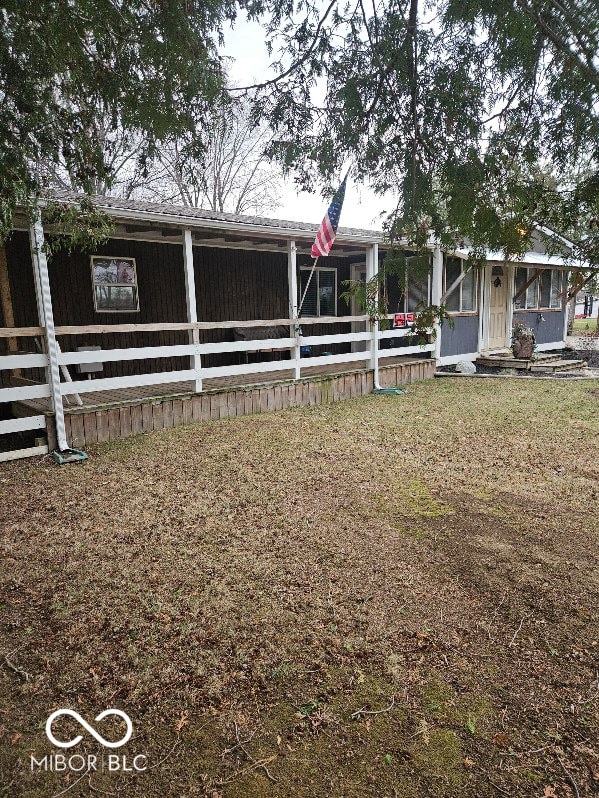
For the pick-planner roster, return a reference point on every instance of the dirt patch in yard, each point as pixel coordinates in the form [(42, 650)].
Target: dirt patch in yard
[(391, 596)]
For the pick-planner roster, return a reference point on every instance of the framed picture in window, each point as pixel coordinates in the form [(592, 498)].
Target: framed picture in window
[(114, 284)]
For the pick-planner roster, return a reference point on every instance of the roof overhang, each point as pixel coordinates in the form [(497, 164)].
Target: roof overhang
[(530, 258)]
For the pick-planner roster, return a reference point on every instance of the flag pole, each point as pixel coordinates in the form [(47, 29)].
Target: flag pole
[(301, 304)]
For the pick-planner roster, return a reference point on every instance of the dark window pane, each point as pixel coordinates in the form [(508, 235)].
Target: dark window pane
[(545, 280), (521, 279), (453, 269), (309, 308), (532, 292), (469, 291), (116, 297), (418, 296), (326, 292)]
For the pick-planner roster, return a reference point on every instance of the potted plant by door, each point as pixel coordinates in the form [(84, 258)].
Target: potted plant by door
[(523, 341)]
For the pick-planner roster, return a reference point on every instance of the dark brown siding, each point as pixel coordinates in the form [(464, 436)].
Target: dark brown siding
[(22, 287), (22, 290), (161, 286), (238, 285), (230, 285)]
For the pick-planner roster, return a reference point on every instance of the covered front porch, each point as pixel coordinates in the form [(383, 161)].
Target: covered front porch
[(210, 326)]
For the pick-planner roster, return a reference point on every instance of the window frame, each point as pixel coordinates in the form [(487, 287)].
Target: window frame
[(95, 283), (557, 274), (316, 277), (475, 276), (406, 295)]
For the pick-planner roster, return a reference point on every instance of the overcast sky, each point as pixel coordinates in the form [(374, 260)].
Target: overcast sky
[(249, 63)]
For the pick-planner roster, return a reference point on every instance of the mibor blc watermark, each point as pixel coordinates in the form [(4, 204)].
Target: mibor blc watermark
[(81, 763)]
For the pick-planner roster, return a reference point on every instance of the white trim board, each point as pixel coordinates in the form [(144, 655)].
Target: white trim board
[(9, 362), (22, 424), (22, 392), (21, 454), (406, 350)]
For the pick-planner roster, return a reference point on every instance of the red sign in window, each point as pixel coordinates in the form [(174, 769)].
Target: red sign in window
[(403, 319)]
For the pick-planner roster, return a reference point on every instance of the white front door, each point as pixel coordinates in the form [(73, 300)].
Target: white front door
[(498, 296)]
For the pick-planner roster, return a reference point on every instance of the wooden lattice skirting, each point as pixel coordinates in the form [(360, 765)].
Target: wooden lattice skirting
[(85, 426)]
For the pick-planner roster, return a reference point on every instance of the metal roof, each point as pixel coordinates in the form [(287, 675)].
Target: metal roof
[(279, 229), (165, 213)]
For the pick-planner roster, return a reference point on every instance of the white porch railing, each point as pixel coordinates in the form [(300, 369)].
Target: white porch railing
[(16, 393), (197, 350), (23, 390)]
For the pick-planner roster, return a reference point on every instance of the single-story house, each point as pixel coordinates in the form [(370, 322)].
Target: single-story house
[(186, 314)]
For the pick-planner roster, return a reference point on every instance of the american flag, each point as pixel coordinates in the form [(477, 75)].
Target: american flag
[(328, 229)]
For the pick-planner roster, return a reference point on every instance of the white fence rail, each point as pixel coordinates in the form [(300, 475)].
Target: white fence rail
[(21, 392), (24, 390), (197, 350), (22, 424)]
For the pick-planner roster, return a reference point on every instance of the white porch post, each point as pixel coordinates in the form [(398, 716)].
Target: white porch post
[(510, 275), (566, 304), (293, 329), (46, 317), (436, 293), (482, 308), (192, 312), (485, 308), (372, 266)]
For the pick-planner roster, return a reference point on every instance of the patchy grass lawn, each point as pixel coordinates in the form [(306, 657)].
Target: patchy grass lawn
[(391, 596), (584, 325)]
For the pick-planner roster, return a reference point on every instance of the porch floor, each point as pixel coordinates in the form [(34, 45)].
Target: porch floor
[(103, 399)]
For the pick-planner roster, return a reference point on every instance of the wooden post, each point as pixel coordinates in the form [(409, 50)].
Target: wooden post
[(372, 266), (294, 329), (46, 317), (6, 299), (436, 292), (192, 313), (510, 274), (6, 304)]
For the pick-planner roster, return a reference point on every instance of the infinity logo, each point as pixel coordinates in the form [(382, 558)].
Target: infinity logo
[(88, 728)]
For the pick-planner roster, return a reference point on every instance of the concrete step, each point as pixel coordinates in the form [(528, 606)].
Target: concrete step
[(558, 365)]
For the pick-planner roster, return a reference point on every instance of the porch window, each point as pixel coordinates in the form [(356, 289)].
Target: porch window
[(412, 296), (321, 297), (114, 284), (543, 293), (418, 294), (462, 299)]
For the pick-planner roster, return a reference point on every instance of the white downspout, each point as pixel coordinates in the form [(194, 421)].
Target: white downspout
[(192, 312), (294, 329), (436, 294), (46, 317)]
